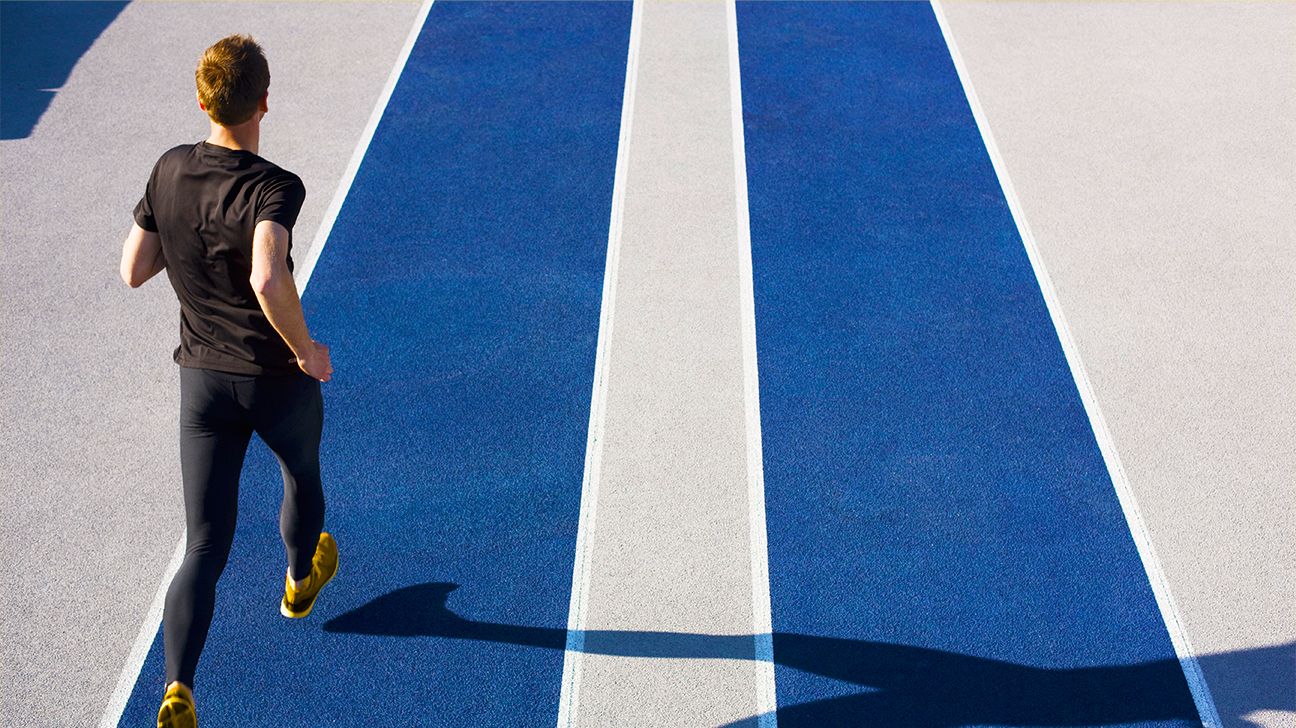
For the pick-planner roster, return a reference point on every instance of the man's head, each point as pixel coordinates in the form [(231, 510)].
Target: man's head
[(232, 77)]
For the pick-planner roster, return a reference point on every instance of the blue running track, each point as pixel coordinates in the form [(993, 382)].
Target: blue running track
[(460, 291), (945, 545)]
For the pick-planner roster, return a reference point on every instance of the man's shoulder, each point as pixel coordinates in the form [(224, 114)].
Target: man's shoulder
[(176, 153), (279, 178), (280, 195), (278, 172), (172, 158)]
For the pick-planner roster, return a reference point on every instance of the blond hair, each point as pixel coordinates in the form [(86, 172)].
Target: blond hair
[(232, 78)]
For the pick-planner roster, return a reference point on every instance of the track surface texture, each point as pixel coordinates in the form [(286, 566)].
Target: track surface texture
[(694, 365)]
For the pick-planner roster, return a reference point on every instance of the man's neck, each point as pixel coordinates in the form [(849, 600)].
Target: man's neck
[(245, 136)]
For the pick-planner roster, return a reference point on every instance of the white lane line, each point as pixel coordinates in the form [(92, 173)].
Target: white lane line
[(153, 620), (143, 641), (362, 147), (762, 621), (573, 655), (1138, 529)]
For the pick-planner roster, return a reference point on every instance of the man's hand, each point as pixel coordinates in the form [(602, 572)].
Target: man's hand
[(316, 362)]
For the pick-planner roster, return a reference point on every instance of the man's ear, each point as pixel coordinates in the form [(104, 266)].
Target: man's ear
[(264, 97), (200, 103)]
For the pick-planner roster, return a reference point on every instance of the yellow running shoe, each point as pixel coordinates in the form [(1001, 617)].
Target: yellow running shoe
[(298, 601), (177, 709)]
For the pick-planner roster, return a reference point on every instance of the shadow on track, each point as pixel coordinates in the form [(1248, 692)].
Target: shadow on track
[(912, 686), (41, 42)]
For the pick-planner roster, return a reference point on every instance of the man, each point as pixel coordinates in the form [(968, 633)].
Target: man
[(218, 219)]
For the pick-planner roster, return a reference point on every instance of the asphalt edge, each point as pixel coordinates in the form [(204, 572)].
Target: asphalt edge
[(569, 695), (143, 641), (307, 267), (762, 618)]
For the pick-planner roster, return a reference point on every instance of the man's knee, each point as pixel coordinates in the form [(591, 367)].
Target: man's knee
[(211, 542)]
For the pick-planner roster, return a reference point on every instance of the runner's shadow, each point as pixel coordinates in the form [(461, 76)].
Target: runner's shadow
[(912, 686), (420, 611)]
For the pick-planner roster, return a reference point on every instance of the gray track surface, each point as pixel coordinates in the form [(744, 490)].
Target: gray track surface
[(1151, 146), (89, 470), (670, 548)]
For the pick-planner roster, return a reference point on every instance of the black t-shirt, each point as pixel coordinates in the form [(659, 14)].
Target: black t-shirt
[(204, 202)]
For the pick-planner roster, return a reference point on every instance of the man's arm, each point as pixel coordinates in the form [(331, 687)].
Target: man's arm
[(277, 293), (141, 256)]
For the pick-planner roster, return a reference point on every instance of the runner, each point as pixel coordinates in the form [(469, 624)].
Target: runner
[(218, 219)]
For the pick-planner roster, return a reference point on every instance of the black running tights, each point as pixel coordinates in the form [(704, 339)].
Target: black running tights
[(218, 414)]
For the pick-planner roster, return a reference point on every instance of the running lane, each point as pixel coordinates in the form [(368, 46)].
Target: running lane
[(945, 545), (460, 291)]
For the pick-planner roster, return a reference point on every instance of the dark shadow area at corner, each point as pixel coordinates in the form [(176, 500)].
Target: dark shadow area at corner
[(912, 686), (40, 42)]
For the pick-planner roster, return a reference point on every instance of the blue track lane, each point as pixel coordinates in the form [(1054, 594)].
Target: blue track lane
[(460, 291), (945, 544)]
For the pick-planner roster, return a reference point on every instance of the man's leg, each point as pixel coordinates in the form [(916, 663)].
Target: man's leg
[(214, 434), (289, 415)]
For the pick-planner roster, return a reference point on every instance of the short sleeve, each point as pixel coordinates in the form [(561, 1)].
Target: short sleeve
[(144, 208), (281, 201)]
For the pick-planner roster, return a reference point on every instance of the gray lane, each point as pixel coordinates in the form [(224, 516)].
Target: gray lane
[(1151, 147), (670, 549), (89, 479)]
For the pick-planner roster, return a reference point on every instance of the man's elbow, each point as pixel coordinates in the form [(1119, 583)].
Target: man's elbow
[(129, 278), (265, 281)]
